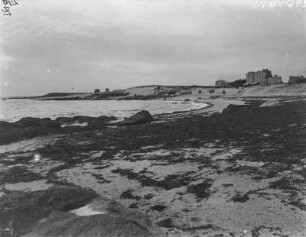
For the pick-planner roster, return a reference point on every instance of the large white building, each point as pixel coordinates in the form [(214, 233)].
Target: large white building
[(263, 78)]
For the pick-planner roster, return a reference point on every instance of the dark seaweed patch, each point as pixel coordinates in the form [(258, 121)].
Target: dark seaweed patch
[(128, 195), (18, 174), (200, 190), (170, 182), (166, 223), (240, 198), (158, 208)]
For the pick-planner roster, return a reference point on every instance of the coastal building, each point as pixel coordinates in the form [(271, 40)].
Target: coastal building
[(254, 78), (221, 84), (97, 91), (250, 77), (107, 90), (296, 79), (275, 80)]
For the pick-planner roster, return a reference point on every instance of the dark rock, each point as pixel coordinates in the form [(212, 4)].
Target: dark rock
[(32, 127), (6, 125), (134, 205), (59, 147), (44, 126), (100, 122), (31, 131), (26, 128), (124, 223), (62, 120), (48, 123), (240, 198), (45, 214), (82, 119), (200, 190), (166, 223), (22, 210), (9, 134), (282, 184), (158, 208), (138, 118), (18, 174), (128, 195), (233, 108), (28, 122), (149, 196), (77, 119), (106, 118), (37, 122)]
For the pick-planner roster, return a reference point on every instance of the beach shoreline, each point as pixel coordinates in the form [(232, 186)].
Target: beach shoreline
[(212, 171)]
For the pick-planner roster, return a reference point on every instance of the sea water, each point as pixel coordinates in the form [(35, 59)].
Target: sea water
[(15, 109)]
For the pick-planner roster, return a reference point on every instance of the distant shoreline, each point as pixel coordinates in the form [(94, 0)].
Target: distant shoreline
[(153, 92)]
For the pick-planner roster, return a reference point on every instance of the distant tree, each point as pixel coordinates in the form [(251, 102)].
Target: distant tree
[(158, 88), (171, 92), (238, 83)]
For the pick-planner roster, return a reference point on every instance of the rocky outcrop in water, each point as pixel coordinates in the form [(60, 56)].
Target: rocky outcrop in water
[(31, 127), (26, 128), (138, 118)]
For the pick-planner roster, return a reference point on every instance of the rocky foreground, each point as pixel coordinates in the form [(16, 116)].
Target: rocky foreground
[(238, 173)]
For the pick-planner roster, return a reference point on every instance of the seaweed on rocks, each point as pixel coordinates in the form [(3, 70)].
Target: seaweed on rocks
[(283, 183), (133, 205), (240, 198), (299, 204), (200, 190), (170, 182), (128, 195), (202, 227), (166, 223), (25, 209), (100, 178), (18, 174), (256, 231), (158, 207)]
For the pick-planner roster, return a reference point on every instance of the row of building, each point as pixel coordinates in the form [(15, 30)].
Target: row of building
[(296, 79), (97, 91), (263, 78), (222, 84)]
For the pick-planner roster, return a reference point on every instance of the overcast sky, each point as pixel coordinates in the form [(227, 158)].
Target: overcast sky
[(57, 45)]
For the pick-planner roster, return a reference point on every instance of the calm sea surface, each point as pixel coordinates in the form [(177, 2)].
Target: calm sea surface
[(13, 110)]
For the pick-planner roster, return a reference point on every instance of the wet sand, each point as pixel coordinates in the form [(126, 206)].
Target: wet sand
[(236, 173)]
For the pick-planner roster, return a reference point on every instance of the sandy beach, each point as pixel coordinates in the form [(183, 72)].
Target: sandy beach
[(240, 172)]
